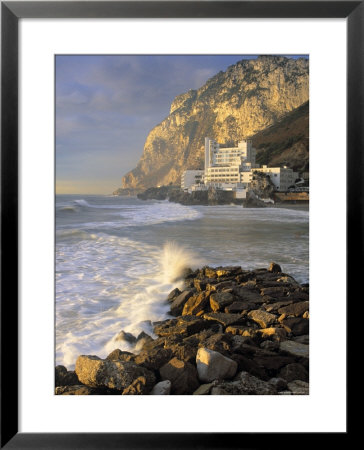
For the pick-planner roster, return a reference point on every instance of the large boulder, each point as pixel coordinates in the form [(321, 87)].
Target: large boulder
[(295, 325), (213, 365), (154, 358), (181, 374), (102, 373)]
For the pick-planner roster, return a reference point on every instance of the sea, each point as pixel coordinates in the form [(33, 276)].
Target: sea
[(117, 259)]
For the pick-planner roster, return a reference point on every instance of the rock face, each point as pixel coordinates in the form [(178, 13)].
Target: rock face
[(249, 97), (253, 351)]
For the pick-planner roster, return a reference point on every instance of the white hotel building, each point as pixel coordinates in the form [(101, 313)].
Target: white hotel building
[(232, 168)]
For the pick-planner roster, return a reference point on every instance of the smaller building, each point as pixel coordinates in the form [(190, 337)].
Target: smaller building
[(281, 177), (190, 178)]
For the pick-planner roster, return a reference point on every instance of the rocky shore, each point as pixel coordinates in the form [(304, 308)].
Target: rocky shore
[(231, 332), (211, 197)]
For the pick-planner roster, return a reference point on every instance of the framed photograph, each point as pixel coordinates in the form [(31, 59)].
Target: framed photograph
[(181, 212)]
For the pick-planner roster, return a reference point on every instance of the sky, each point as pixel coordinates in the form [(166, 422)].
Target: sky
[(106, 106)]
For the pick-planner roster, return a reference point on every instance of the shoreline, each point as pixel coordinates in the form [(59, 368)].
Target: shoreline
[(231, 332)]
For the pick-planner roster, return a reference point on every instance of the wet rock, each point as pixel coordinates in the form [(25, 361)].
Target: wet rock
[(237, 341), (140, 386), (212, 365), (195, 304), (298, 387), (210, 273), (184, 352), (298, 296), (179, 302), (173, 294), (162, 388), (219, 300), (295, 309), (95, 372), (274, 267), (294, 348), (182, 375), (127, 337), (119, 355), (63, 377), (263, 318), (224, 319), (293, 372)]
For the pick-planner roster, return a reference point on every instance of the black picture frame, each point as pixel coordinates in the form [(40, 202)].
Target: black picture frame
[(11, 12)]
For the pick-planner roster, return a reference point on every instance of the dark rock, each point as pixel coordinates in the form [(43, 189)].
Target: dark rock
[(298, 387), (219, 343), (275, 292), (272, 346), (295, 325), (298, 296), (179, 302), (219, 300), (224, 319), (274, 307), (272, 364), (162, 388), (304, 339), (294, 371), (294, 348), (119, 355), (127, 337), (278, 383), (63, 377), (182, 326), (273, 267), (245, 294), (182, 375), (153, 359), (239, 307), (173, 294), (249, 365), (295, 309)]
